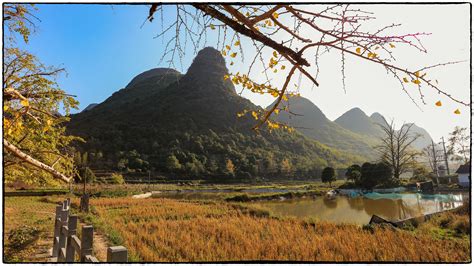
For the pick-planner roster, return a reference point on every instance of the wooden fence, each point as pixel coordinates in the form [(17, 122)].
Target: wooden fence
[(66, 244)]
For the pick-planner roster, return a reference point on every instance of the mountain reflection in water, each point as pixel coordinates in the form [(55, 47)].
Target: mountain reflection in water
[(359, 210)]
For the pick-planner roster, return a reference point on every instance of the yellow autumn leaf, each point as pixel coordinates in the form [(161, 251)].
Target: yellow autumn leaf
[(25, 103), (231, 63), (5, 108), (372, 55), (405, 80), (416, 81), (275, 15), (275, 70), (438, 103), (233, 55), (358, 50), (283, 67), (457, 112), (255, 115), (227, 47), (392, 45), (417, 74), (237, 43), (277, 111), (275, 54), (247, 14), (212, 27), (224, 53), (226, 77), (285, 98), (49, 122)]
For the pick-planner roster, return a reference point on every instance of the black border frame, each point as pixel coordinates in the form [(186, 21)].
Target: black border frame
[(259, 3)]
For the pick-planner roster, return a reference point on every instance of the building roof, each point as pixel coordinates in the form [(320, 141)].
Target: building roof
[(464, 169)]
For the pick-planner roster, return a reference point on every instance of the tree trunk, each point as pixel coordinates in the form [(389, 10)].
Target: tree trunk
[(25, 157)]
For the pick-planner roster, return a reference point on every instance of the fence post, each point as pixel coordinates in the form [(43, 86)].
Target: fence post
[(86, 241), (62, 232), (72, 227), (66, 204), (117, 254), (57, 230), (84, 203)]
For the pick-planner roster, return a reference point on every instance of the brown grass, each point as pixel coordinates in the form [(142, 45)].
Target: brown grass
[(170, 230), (22, 213)]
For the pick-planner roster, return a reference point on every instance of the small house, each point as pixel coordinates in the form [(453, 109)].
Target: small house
[(464, 175)]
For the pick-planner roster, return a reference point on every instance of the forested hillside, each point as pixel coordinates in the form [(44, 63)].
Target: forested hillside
[(187, 126)]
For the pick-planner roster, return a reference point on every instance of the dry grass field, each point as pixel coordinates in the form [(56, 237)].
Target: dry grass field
[(170, 230)]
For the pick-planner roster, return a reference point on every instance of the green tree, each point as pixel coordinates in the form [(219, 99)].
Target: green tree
[(285, 167), (173, 164), (368, 178), (229, 167), (375, 174), (353, 173), (36, 146), (328, 175), (122, 164)]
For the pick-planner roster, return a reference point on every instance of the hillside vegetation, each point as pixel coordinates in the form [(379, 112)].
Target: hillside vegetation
[(187, 126)]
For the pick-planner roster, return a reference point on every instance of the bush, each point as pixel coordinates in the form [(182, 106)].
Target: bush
[(461, 225), (116, 178), (445, 220), (22, 236), (368, 227), (239, 198)]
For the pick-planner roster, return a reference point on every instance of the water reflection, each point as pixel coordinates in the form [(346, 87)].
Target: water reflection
[(359, 210)]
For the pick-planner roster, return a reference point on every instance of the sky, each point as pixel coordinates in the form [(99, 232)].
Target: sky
[(103, 47)]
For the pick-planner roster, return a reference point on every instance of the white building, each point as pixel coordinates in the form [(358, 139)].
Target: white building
[(464, 175)]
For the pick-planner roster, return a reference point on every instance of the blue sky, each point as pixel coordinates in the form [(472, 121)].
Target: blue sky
[(102, 47)]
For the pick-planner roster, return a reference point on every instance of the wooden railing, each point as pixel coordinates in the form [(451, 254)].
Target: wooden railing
[(66, 244)]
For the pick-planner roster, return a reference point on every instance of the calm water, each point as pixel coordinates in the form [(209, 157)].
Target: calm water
[(359, 210)]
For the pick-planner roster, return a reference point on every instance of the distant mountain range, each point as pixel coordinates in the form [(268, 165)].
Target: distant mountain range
[(353, 131), (357, 121), (187, 125), (311, 121)]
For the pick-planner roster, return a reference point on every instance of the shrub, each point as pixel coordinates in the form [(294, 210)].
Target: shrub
[(116, 178), (461, 225), (445, 220), (22, 236), (240, 198)]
